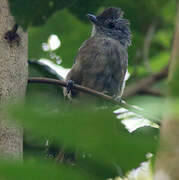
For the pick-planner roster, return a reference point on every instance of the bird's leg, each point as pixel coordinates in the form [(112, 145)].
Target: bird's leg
[(118, 98), (68, 89)]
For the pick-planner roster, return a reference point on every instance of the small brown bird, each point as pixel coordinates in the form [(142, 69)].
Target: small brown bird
[(102, 60)]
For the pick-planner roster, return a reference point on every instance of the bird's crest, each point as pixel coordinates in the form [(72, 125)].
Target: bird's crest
[(111, 13)]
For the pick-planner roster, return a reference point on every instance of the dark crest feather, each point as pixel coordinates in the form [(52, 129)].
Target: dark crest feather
[(111, 13)]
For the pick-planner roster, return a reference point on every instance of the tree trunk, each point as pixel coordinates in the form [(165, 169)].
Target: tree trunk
[(167, 162), (13, 82)]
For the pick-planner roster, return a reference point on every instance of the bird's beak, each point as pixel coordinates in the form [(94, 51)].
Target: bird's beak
[(92, 18)]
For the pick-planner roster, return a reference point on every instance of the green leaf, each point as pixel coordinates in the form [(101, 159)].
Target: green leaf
[(40, 169), (95, 133)]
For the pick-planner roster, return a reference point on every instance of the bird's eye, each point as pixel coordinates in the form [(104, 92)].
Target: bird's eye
[(111, 25)]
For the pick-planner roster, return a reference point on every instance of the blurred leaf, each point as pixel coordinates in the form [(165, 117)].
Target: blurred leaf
[(150, 105), (163, 37), (42, 10), (40, 169), (160, 61), (96, 132), (157, 63)]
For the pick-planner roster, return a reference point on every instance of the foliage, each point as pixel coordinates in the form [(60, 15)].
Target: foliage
[(43, 10), (103, 147), (33, 169), (73, 31)]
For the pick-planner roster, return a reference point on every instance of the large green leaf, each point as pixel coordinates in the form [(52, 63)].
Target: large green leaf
[(95, 133), (40, 169)]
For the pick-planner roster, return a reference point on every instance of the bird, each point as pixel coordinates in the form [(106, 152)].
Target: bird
[(102, 60)]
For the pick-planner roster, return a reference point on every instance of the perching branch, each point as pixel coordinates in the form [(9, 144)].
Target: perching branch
[(93, 93)]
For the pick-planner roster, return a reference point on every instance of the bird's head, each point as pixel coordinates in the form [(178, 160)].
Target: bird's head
[(112, 24)]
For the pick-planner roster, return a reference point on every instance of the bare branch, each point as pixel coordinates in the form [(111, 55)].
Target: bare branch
[(144, 83), (153, 92)]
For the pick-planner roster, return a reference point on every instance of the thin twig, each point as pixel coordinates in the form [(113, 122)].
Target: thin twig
[(145, 83), (93, 93), (153, 92)]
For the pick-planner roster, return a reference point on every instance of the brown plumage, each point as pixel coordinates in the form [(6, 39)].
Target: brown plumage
[(101, 62)]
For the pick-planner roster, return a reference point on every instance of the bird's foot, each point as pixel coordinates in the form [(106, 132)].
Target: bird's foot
[(68, 90), (69, 86), (119, 99)]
